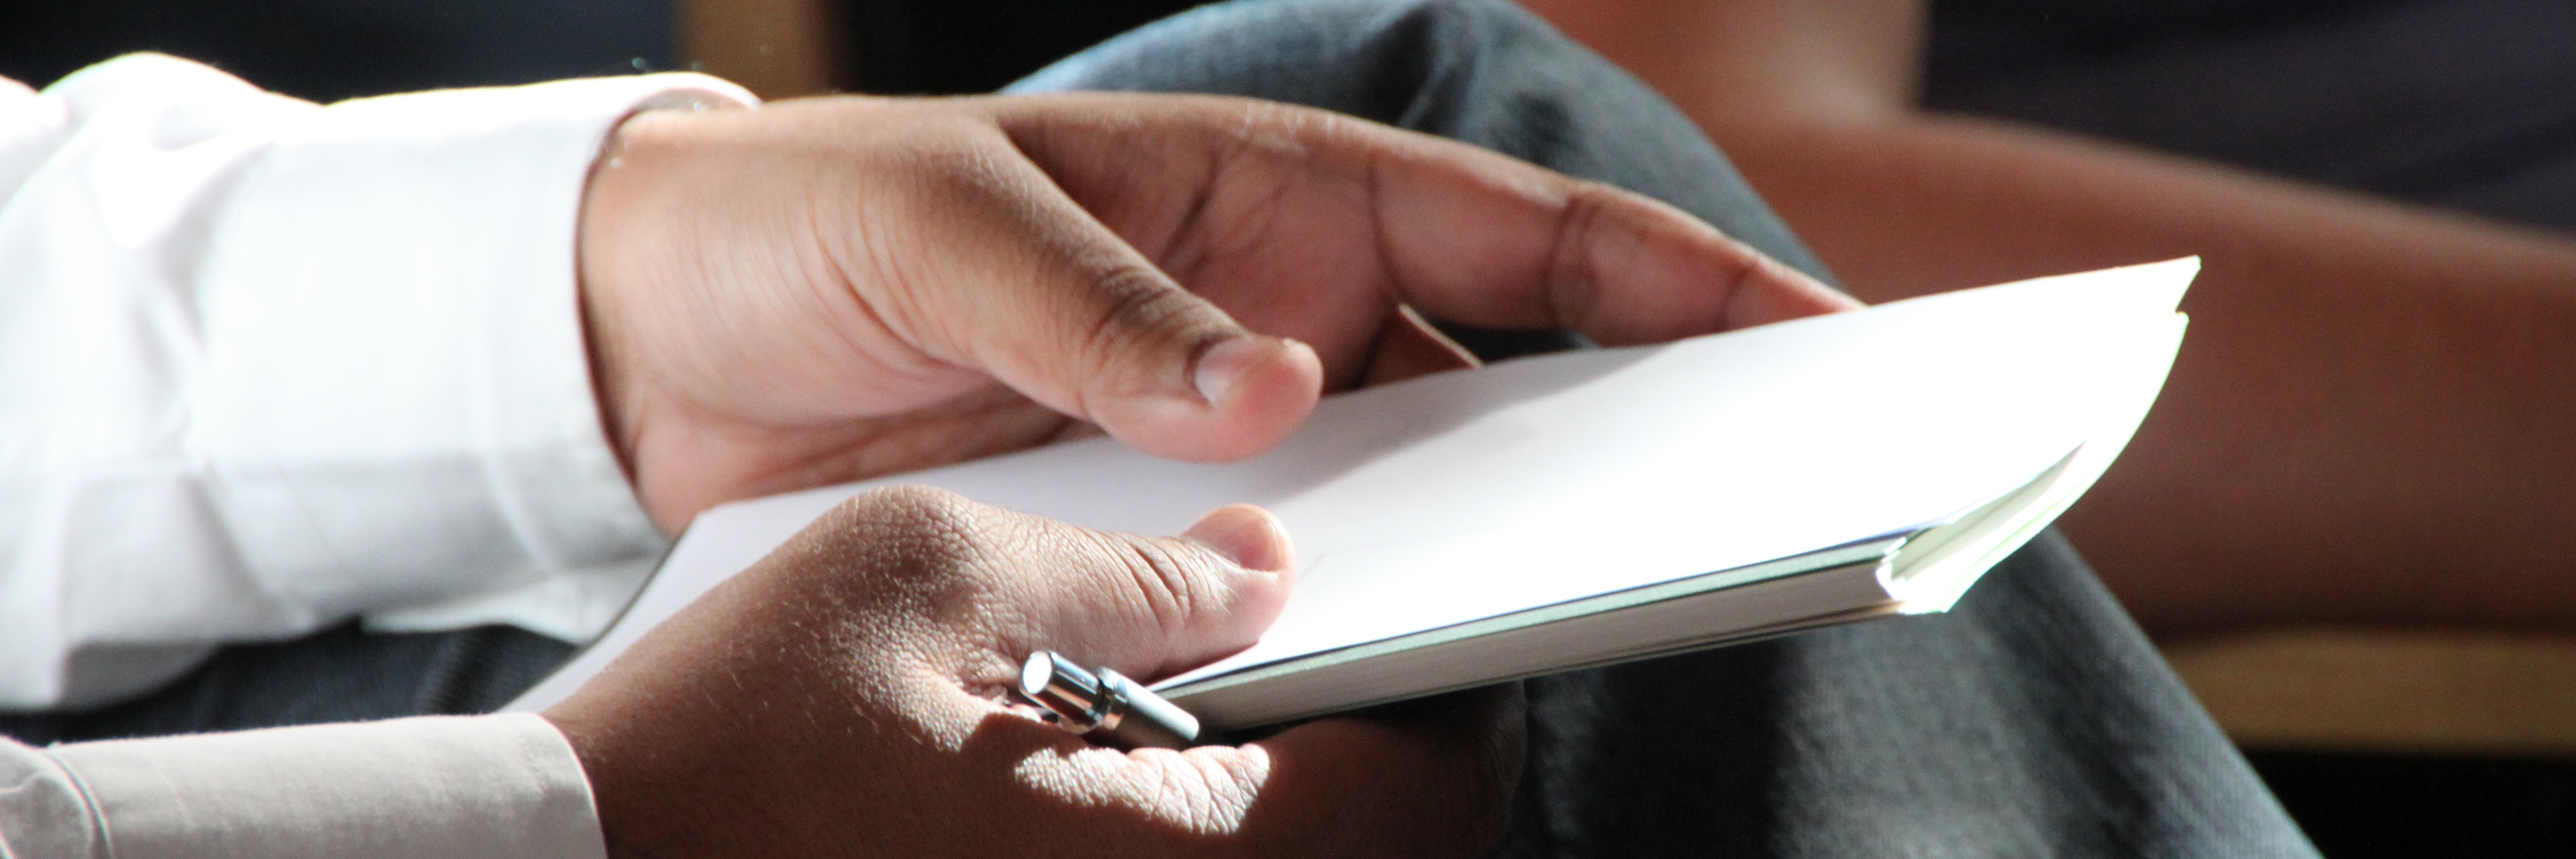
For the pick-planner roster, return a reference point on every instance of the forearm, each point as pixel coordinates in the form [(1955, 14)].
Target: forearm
[(2367, 421), (265, 365), (2368, 415)]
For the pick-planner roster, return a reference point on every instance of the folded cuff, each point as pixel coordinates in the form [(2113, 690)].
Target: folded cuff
[(501, 787)]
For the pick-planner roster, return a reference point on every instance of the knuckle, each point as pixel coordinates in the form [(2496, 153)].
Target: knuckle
[(1134, 296), (965, 173), (1138, 306), (1163, 579), (916, 540), (913, 509), (1574, 269)]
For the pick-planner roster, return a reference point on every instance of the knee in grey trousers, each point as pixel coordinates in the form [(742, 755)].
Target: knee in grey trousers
[(2034, 720)]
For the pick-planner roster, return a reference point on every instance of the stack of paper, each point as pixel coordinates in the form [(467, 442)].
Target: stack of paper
[(1576, 509)]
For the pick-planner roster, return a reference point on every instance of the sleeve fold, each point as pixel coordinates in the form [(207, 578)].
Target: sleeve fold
[(492, 787), (271, 365)]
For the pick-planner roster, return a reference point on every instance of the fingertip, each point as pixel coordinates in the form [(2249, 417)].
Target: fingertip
[(1249, 369), (1255, 390), (1771, 291), (1275, 399), (1248, 535), (1222, 366)]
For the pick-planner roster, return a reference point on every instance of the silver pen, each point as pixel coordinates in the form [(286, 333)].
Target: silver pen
[(1105, 702)]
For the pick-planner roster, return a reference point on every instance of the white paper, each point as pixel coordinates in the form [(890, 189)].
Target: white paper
[(1463, 495)]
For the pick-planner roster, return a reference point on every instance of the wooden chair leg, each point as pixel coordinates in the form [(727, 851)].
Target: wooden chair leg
[(776, 48), (2443, 692)]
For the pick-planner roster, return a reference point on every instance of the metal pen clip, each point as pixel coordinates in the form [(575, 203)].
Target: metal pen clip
[(1087, 702)]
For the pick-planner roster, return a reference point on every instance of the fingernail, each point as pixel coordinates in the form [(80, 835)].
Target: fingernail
[(1224, 364), (1248, 535)]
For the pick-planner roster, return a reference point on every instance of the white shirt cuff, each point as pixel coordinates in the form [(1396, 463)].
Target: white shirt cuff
[(496, 787), (392, 314), (284, 364)]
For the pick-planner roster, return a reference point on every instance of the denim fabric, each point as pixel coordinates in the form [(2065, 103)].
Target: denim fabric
[(2034, 720)]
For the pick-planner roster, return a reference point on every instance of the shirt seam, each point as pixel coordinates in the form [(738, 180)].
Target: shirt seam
[(99, 830)]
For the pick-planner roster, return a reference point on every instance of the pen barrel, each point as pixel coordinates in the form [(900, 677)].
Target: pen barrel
[(1140, 718)]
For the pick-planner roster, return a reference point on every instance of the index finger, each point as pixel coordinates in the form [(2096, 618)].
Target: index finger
[(1459, 232)]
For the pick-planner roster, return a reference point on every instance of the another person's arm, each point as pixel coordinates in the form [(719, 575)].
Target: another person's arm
[(2369, 420)]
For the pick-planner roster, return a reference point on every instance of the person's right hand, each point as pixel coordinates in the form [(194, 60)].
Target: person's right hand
[(833, 289), (843, 697)]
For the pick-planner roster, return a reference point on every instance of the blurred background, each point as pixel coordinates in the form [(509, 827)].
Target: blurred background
[(2382, 742)]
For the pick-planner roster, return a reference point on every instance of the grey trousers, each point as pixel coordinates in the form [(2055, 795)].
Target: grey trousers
[(2035, 720)]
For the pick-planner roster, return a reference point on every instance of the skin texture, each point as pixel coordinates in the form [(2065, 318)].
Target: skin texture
[(2368, 422), (834, 289), (843, 698)]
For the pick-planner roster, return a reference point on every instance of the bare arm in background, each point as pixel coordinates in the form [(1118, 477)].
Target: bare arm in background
[(2374, 416)]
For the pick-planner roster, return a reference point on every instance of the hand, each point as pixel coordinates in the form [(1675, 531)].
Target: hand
[(842, 698), (827, 290)]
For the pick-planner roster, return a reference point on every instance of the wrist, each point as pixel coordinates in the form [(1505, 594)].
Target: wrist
[(625, 211), (624, 807)]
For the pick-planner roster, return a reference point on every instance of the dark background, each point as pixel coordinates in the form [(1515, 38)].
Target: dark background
[(333, 49)]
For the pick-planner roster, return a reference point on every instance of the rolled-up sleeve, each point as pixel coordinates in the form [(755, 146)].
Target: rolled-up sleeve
[(267, 365), (492, 787)]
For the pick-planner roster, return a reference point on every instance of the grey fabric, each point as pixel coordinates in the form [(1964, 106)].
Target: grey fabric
[(2035, 720), (1485, 73), (342, 674)]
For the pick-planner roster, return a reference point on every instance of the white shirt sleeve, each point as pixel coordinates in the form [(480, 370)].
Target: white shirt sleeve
[(492, 787), (267, 365)]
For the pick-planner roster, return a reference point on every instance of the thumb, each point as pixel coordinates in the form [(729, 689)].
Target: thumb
[(1151, 608), (1063, 310)]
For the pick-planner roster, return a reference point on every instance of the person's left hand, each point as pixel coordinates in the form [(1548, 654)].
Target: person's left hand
[(833, 289)]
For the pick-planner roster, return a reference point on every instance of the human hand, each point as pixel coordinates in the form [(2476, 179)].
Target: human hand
[(842, 697), (833, 289)]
